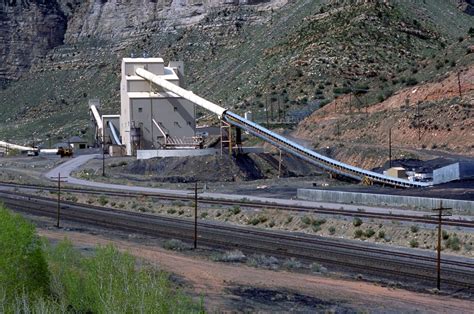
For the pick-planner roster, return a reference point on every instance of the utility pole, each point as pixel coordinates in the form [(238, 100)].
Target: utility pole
[(459, 84), (195, 213), (440, 215), (59, 199), (266, 109), (279, 165), (103, 158), (390, 147)]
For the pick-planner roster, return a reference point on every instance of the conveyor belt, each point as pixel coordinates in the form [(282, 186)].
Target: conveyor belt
[(291, 147)]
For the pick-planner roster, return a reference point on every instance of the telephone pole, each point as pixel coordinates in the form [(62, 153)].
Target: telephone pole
[(440, 216), (390, 147)]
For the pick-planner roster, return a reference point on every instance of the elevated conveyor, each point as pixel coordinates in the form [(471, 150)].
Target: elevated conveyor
[(279, 141)]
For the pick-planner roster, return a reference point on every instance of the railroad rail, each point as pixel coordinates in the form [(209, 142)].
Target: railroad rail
[(254, 204), (279, 141), (390, 263)]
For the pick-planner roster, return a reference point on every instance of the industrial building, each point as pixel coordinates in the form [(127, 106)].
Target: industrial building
[(150, 117)]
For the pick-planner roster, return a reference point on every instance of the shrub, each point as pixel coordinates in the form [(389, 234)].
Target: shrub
[(318, 222), (175, 245), (292, 263), (103, 200), (23, 266), (111, 282), (235, 210), (260, 260), (358, 233), (204, 215), (445, 235), (332, 230), (453, 243), (414, 243), (414, 229), (381, 234), (369, 233), (357, 222), (234, 256), (306, 220), (411, 81), (171, 211)]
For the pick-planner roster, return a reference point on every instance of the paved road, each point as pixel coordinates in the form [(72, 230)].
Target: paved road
[(68, 167)]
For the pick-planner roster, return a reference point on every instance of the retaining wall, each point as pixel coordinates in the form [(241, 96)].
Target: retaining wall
[(412, 202)]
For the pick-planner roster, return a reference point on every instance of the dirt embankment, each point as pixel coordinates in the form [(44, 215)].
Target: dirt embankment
[(431, 115)]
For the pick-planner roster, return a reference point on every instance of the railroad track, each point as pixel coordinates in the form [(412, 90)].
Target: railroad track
[(389, 263), (253, 204)]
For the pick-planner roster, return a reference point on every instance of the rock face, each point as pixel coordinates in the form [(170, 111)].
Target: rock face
[(28, 30), (31, 28)]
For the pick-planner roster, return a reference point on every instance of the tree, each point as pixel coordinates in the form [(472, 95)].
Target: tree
[(23, 266)]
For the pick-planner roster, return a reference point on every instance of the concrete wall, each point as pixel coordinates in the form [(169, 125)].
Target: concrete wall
[(412, 202), (147, 154)]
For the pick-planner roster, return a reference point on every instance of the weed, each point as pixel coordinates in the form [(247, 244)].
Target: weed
[(180, 212), (289, 219), (332, 230), (414, 243), (445, 235), (414, 228), (171, 211), (204, 214)]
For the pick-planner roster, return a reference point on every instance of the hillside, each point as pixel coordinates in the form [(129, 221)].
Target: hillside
[(293, 55)]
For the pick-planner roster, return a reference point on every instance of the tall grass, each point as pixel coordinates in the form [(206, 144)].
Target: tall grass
[(38, 278)]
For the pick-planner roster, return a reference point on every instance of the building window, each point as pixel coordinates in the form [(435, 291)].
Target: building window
[(189, 122), (175, 108), (140, 109)]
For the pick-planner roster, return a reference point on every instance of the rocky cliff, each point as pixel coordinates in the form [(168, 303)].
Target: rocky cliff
[(29, 29)]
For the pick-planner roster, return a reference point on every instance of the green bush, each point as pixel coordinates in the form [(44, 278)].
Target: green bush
[(332, 230), (235, 209), (414, 229), (358, 233), (414, 243), (110, 282), (23, 266), (453, 243), (357, 222), (306, 220), (103, 200), (381, 234), (369, 232)]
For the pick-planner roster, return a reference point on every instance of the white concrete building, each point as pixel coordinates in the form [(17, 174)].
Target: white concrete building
[(152, 118)]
